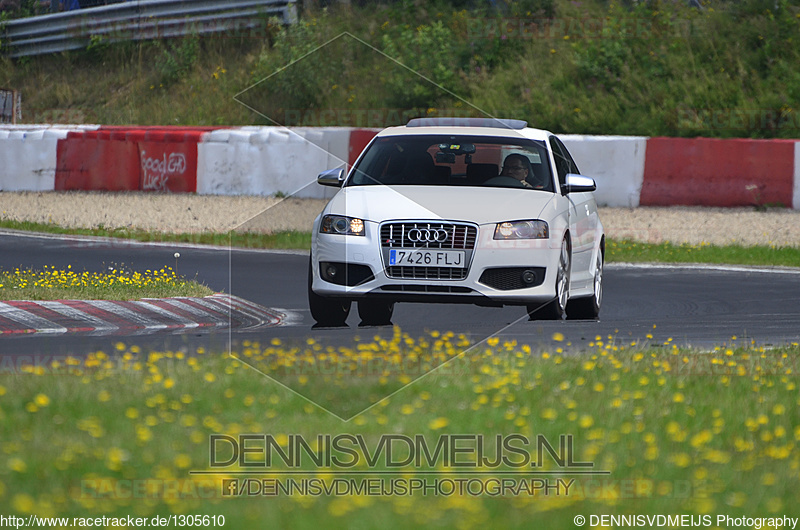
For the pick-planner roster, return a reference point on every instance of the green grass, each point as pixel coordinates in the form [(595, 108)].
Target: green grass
[(117, 283), (633, 251), (624, 250), (282, 240), (680, 432)]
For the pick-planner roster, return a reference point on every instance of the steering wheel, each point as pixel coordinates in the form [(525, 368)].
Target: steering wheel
[(503, 181)]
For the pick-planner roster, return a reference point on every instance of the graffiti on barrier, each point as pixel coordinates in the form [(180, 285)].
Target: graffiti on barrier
[(157, 171)]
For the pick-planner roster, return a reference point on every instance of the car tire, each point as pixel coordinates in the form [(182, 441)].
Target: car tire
[(375, 312), (557, 308), (326, 311), (588, 308)]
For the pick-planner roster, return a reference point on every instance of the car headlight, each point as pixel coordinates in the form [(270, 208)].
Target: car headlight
[(339, 224), (521, 230)]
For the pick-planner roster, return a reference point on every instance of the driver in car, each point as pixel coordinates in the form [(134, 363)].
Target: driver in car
[(516, 166)]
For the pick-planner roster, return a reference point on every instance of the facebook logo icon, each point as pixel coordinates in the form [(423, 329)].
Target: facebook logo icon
[(230, 487)]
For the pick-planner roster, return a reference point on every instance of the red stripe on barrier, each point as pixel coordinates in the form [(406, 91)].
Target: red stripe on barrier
[(359, 138), (115, 158), (86, 162), (164, 128), (168, 166), (715, 172)]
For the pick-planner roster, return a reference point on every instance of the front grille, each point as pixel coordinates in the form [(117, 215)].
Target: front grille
[(428, 235), (426, 273), (510, 278), (399, 235)]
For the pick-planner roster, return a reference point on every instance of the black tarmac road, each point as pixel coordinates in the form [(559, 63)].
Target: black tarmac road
[(698, 306)]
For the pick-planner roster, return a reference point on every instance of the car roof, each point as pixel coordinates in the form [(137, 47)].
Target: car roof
[(468, 126)]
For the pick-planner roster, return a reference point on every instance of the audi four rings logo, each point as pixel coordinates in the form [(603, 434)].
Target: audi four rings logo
[(427, 235)]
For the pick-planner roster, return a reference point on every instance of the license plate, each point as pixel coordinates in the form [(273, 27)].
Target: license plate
[(427, 258)]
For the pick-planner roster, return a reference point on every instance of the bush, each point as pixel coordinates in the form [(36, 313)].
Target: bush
[(427, 65), (177, 58)]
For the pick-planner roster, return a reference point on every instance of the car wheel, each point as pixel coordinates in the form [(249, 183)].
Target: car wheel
[(326, 311), (556, 308), (588, 308), (375, 312)]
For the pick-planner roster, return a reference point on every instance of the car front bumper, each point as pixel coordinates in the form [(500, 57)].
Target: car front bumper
[(517, 272)]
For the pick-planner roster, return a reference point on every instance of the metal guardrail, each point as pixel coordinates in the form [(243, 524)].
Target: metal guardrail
[(142, 20)]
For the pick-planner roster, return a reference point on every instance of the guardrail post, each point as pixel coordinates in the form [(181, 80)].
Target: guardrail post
[(11, 108)]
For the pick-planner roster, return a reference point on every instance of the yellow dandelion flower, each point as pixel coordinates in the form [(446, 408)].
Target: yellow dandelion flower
[(23, 503), (182, 461), (549, 414), (17, 464), (701, 438), (681, 459), (438, 423)]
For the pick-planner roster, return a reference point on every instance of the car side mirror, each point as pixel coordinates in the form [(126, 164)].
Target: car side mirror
[(579, 184), (332, 177)]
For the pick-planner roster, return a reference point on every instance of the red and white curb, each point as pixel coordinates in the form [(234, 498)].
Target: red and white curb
[(139, 317)]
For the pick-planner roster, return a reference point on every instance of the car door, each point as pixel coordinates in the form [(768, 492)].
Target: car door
[(583, 215)]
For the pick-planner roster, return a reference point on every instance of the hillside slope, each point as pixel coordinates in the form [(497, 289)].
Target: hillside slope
[(647, 68)]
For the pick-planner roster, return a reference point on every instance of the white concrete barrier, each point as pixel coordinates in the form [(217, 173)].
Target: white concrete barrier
[(270, 160), (28, 155), (28, 159), (615, 162), (275, 160)]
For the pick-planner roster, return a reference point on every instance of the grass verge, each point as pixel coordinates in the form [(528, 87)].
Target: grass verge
[(679, 432), (627, 250), (117, 283), (624, 250), (279, 240)]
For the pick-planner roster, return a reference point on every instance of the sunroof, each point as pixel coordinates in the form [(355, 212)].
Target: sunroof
[(498, 123)]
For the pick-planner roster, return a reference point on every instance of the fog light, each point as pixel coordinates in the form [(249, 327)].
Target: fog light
[(331, 271), (529, 277)]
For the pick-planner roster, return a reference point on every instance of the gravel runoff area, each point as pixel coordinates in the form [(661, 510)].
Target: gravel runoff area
[(198, 213)]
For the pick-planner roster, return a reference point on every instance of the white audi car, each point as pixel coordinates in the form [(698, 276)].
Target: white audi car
[(481, 211)]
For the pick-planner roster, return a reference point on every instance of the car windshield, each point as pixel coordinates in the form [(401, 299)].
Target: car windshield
[(452, 160)]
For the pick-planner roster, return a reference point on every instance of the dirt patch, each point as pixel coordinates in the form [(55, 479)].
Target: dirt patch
[(176, 213), (206, 213), (717, 226)]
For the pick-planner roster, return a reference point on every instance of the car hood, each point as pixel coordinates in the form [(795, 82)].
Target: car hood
[(481, 205)]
